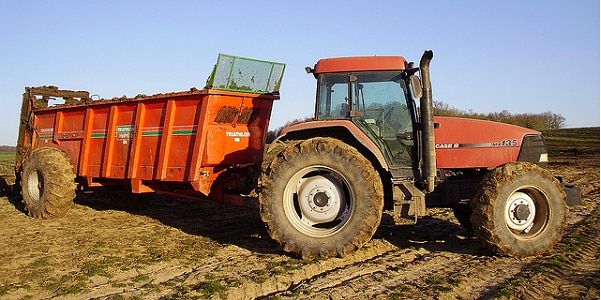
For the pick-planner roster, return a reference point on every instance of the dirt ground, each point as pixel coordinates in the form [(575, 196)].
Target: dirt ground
[(180, 249)]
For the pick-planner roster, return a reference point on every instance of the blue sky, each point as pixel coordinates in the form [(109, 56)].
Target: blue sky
[(489, 56)]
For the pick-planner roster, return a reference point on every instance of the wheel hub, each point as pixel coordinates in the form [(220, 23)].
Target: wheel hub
[(35, 184), (320, 199), (520, 212)]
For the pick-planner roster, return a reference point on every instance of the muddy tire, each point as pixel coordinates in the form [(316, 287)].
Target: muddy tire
[(519, 210), (321, 197), (47, 183), (463, 213)]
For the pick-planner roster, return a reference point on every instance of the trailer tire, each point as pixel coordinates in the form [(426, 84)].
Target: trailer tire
[(519, 210), (321, 197), (47, 183)]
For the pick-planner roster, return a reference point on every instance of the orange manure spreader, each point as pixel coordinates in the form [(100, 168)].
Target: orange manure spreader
[(194, 143)]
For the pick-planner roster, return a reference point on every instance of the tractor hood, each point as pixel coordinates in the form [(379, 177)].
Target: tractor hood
[(469, 143)]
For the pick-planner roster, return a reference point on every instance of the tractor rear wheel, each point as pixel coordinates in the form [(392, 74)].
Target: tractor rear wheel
[(47, 183), (321, 197), (463, 213), (519, 210)]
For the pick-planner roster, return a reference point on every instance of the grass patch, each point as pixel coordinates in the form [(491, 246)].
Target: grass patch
[(4, 289), (7, 288), (259, 276), (152, 287), (504, 292), (287, 266), (400, 292), (141, 278), (445, 284), (101, 267), (120, 297), (455, 281), (557, 261), (66, 285), (39, 263), (435, 280), (211, 288), (572, 139), (7, 156)]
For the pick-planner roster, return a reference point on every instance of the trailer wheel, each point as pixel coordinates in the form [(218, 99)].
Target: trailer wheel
[(519, 210), (47, 183), (321, 197)]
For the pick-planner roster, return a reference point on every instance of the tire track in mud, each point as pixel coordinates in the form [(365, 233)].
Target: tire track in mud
[(237, 266), (429, 259), (571, 271), (409, 273), (292, 274)]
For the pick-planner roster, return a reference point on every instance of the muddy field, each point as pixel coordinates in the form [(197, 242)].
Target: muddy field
[(179, 249)]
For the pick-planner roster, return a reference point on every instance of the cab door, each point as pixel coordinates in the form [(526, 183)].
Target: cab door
[(382, 112)]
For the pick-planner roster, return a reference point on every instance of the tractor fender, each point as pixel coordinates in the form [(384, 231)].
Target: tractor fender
[(343, 130)]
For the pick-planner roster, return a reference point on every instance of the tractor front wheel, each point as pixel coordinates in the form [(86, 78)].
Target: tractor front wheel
[(519, 210)]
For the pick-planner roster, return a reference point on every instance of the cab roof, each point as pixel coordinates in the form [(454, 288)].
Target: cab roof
[(360, 63)]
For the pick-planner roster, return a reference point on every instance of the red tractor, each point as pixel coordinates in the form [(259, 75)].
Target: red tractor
[(374, 144)]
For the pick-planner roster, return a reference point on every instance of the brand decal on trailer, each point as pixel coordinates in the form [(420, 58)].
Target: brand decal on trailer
[(237, 134), (46, 134), (503, 143), (125, 132)]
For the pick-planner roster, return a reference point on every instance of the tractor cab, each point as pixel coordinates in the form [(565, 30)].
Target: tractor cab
[(372, 93)]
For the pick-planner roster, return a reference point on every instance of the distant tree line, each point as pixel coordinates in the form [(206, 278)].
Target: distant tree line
[(8, 149), (536, 121)]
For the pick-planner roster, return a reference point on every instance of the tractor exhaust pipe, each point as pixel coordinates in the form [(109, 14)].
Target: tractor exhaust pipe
[(427, 122)]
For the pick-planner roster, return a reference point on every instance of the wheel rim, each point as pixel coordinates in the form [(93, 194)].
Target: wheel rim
[(35, 185), (526, 212), (317, 201)]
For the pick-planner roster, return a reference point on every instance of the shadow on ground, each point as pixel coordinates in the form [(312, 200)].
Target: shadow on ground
[(243, 227)]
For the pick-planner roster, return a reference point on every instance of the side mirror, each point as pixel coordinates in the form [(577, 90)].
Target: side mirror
[(415, 85)]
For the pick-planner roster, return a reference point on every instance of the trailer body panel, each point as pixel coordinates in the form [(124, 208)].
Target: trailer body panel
[(186, 137)]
